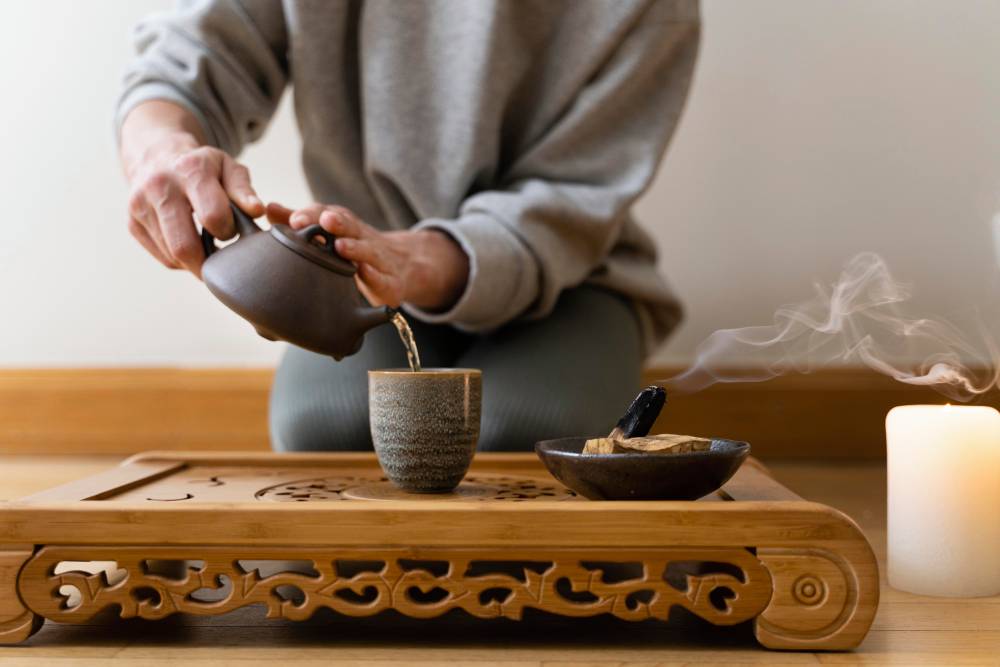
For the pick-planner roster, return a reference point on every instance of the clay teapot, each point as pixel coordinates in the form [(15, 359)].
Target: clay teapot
[(291, 285)]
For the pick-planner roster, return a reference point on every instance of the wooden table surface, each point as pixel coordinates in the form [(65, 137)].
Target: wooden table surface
[(909, 629)]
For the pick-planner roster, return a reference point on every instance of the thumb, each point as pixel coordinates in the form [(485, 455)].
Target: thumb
[(370, 295), (236, 182)]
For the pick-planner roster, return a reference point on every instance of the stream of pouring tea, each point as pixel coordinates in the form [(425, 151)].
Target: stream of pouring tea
[(406, 335)]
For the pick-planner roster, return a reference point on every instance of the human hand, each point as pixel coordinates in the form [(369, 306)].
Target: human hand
[(426, 268), (173, 179)]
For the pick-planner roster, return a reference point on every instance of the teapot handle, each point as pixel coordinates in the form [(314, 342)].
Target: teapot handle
[(245, 226)]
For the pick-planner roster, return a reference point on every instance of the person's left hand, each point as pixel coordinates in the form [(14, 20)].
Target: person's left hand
[(426, 268)]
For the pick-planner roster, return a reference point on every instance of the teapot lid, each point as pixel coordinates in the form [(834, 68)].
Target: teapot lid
[(315, 244)]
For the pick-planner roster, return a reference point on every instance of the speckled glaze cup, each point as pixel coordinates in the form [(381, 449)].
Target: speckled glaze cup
[(425, 425)]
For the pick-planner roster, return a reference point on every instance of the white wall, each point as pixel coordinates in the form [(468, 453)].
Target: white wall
[(819, 129), (814, 130)]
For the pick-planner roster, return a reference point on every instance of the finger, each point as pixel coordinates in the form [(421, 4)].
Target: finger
[(278, 214), (370, 296), (179, 235), (342, 222), (140, 234), (369, 252), (142, 213), (384, 288), (156, 235), (236, 181), (308, 215), (198, 172), (154, 232), (211, 205)]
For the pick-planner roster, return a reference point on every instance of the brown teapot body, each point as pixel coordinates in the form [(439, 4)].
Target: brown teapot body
[(291, 285)]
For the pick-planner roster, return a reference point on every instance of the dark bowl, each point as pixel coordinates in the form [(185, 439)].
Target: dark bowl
[(687, 476)]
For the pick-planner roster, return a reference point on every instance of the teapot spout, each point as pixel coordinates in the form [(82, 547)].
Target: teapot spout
[(370, 317)]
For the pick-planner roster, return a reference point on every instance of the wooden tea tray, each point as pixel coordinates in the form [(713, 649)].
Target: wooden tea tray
[(512, 539)]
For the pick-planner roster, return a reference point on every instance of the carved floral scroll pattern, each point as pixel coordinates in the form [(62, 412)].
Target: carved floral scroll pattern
[(735, 587)]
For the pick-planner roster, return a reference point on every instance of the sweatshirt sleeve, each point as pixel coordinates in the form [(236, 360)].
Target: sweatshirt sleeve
[(566, 198), (223, 60)]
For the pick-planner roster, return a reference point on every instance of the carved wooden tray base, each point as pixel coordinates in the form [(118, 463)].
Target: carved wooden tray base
[(210, 533)]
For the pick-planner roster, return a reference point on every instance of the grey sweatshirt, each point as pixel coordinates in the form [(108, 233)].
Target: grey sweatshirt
[(525, 129)]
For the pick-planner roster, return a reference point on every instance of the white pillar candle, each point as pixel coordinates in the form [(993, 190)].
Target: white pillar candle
[(944, 499)]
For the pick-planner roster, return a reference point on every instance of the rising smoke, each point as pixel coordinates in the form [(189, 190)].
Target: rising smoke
[(861, 318)]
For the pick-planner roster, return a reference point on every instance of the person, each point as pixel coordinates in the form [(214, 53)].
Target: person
[(477, 160)]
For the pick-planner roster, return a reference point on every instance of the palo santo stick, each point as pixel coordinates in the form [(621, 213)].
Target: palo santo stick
[(599, 446), (663, 444), (656, 444)]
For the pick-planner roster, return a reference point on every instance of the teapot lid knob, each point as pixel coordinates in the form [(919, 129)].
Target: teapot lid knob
[(315, 244)]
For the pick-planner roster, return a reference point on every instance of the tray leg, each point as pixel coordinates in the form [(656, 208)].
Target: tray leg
[(821, 600), (17, 623)]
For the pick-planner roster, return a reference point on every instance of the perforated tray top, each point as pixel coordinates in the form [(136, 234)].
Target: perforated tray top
[(193, 479), (227, 483)]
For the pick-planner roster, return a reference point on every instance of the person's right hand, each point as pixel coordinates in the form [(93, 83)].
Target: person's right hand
[(174, 181)]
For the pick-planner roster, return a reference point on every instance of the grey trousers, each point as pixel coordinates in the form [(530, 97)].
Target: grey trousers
[(572, 373)]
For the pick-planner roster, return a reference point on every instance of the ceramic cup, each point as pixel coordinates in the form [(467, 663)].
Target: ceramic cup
[(425, 425)]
